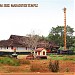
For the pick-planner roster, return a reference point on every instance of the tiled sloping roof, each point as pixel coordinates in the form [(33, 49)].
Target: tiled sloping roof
[(39, 49)]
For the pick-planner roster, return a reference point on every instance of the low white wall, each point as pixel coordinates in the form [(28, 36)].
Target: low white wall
[(18, 49)]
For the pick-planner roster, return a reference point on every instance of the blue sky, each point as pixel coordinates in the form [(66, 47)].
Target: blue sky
[(25, 20)]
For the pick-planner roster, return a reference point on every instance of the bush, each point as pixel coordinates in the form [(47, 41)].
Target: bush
[(9, 61), (34, 67), (54, 67), (22, 61), (67, 69)]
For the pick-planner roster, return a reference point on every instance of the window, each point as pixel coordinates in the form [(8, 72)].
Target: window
[(26, 48), (11, 47), (38, 53), (43, 53), (7, 47)]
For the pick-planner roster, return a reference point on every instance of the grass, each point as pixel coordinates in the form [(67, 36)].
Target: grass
[(13, 61), (62, 57), (56, 57), (9, 61), (37, 65)]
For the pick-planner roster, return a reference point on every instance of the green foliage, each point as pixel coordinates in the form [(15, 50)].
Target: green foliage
[(9, 61), (61, 48), (54, 67), (13, 62), (72, 48), (57, 35), (62, 57), (66, 58)]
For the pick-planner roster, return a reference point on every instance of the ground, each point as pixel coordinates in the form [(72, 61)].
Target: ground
[(37, 73), (40, 66)]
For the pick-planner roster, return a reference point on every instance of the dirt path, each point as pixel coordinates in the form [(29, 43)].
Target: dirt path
[(37, 73)]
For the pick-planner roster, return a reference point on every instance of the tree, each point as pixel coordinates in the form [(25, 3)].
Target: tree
[(30, 40), (57, 35)]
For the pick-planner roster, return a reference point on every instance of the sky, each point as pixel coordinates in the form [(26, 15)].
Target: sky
[(34, 20)]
